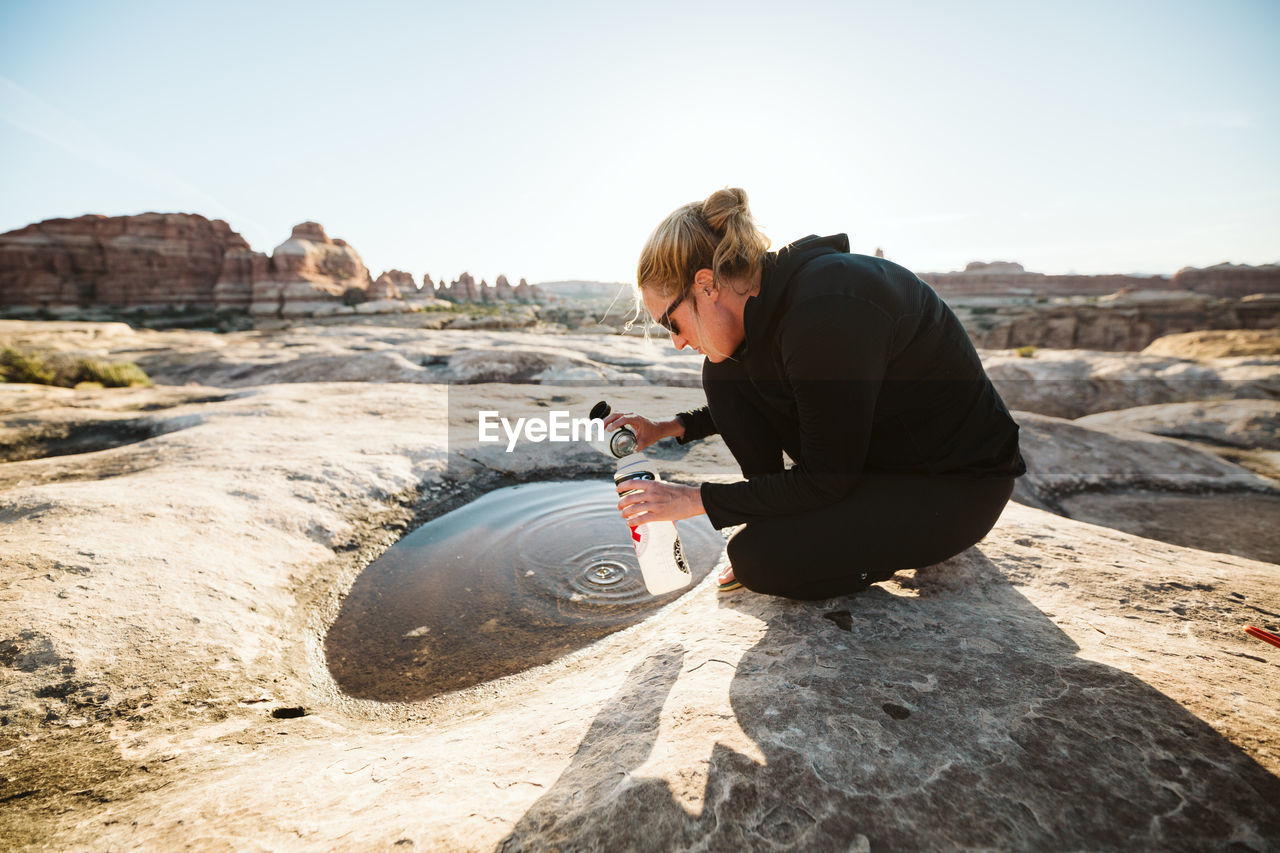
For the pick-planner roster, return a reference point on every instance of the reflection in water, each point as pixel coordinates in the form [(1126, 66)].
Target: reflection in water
[(514, 579)]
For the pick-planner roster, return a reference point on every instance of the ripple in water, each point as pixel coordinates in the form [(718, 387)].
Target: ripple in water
[(514, 579)]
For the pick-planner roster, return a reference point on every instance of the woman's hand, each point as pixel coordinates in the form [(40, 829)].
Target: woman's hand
[(647, 431), (655, 501)]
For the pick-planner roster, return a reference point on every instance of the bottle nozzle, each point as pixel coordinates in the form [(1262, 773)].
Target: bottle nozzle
[(623, 441)]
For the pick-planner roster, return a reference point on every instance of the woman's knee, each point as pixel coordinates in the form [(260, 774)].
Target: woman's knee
[(752, 564), (769, 558), (764, 561)]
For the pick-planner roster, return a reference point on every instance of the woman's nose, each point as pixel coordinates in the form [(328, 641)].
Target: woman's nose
[(678, 341)]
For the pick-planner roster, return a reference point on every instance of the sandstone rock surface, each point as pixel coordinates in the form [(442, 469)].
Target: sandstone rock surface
[(1074, 383), (1062, 383), (1247, 424), (1096, 469), (1217, 344), (1245, 432), (1070, 457), (1064, 684)]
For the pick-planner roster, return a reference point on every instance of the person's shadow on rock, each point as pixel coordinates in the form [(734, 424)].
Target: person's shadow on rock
[(959, 718), (583, 809)]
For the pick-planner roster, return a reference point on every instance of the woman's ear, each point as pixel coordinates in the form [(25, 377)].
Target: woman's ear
[(704, 280)]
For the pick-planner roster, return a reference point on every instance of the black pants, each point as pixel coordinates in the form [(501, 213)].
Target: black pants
[(889, 521)]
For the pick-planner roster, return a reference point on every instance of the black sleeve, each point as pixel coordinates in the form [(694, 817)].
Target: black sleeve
[(835, 349), (697, 424)]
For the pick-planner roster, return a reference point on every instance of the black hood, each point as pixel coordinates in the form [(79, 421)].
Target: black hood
[(763, 310)]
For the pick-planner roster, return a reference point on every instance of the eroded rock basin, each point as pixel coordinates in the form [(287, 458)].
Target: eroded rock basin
[(67, 439), (512, 580)]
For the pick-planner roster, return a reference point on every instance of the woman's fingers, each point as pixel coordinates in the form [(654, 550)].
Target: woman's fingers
[(636, 502), (647, 430), (632, 511), (620, 419), (632, 498), (638, 425), (650, 501)]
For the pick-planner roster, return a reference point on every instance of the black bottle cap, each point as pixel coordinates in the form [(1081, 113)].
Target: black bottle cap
[(600, 411)]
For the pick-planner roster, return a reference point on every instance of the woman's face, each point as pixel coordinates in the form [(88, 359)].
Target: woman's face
[(714, 330)]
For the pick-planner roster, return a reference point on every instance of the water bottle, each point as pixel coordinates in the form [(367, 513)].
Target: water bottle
[(657, 543)]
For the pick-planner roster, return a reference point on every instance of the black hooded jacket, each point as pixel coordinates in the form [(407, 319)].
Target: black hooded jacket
[(861, 367)]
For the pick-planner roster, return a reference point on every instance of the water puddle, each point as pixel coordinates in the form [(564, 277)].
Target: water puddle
[(514, 579)]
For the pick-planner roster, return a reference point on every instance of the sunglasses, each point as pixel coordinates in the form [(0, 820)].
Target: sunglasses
[(664, 319)]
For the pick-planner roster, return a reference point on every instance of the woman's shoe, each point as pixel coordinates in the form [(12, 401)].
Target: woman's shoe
[(726, 581)]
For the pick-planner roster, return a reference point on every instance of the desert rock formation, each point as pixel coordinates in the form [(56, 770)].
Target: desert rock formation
[(1118, 322), (309, 272), (1228, 279), (465, 289), (180, 260), (184, 261), (414, 293), (1007, 278), (392, 284), (152, 259)]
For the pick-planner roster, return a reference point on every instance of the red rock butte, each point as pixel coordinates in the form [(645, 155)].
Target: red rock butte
[(180, 260)]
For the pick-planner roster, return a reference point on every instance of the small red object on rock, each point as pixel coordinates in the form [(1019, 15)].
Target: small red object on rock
[(1265, 636)]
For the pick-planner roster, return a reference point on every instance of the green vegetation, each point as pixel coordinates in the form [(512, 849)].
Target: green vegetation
[(68, 372), (1027, 352), (110, 374), (18, 366)]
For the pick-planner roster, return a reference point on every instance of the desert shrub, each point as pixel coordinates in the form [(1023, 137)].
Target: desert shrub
[(1027, 352), (16, 366), (111, 374), (354, 296), (66, 371)]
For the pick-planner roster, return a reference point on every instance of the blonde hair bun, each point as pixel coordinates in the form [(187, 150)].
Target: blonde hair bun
[(722, 204), (717, 233)]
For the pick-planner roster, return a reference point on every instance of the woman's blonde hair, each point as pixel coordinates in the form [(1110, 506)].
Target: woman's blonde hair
[(717, 234)]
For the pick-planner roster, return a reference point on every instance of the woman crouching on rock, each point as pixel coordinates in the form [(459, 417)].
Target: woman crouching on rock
[(904, 454)]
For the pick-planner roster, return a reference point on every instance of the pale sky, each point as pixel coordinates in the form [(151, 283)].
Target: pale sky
[(546, 140)]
